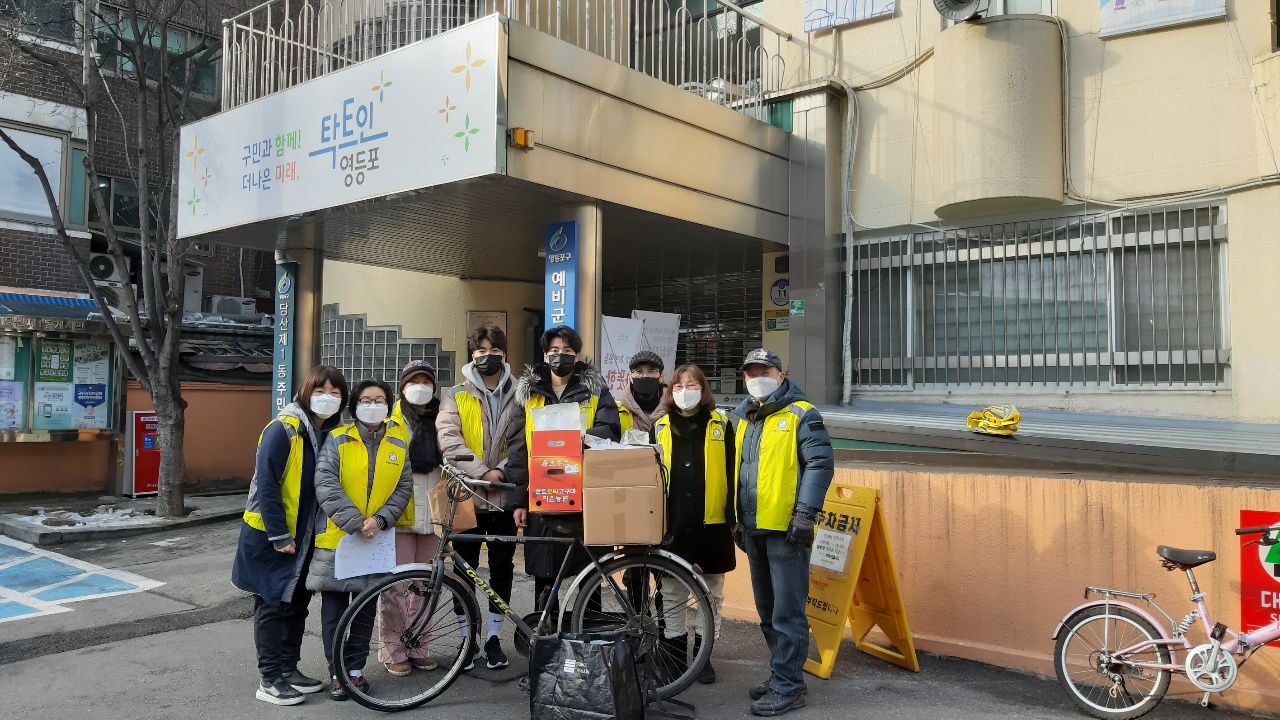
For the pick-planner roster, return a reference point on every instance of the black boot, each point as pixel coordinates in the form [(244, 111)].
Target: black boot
[(707, 675), (673, 658)]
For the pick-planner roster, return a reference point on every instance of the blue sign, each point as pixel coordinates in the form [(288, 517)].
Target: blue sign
[(562, 275), (91, 395), (282, 358)]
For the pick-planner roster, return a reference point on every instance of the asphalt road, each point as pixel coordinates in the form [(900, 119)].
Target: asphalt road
[(185, 650)]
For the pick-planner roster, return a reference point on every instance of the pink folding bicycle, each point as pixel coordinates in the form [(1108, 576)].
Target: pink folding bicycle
[(1115, 659)]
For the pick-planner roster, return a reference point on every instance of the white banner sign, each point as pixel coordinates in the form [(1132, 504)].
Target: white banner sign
[(823, 14), (661, 335), (1128, 16), (620, 340), (426, 114)]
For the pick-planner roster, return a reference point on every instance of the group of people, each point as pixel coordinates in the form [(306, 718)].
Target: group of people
[(755, 480)]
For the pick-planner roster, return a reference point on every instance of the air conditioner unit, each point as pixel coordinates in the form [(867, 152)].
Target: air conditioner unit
[(228, 305), (114, 295), (105, 271)]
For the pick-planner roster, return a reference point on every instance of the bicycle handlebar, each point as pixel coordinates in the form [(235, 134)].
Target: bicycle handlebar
[(1257, 530), (461, 458)]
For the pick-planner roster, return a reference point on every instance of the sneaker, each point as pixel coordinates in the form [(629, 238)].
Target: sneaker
[(469, 663), (760, 691), (494, 657), (774, 703), (426, 663), (278, 692), (400, 669), (302, 683)]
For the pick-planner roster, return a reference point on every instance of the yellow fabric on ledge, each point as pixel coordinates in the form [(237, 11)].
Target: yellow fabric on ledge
[(995, 420)]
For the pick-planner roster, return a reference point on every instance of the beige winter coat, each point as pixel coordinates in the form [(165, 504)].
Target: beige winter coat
[(493, 457)]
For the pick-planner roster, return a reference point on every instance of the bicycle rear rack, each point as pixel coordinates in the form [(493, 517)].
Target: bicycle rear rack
[(1148, 598)]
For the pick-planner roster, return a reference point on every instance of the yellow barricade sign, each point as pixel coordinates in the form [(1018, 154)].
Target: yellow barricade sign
[(853, 579)]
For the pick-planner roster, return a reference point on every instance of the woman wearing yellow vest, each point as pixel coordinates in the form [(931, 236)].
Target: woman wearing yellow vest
[(562, 378), (363, 484), (698, 452), (275, 538), (416, 541)]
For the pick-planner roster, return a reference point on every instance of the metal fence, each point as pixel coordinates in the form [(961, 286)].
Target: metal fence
[(1133, 299), (721, 54)]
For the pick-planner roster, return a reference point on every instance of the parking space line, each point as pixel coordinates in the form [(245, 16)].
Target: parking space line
[(36, 582)]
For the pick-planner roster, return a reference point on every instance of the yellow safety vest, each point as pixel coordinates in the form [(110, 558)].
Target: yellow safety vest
[(537, 401), (625, 417), (778, 469), (353, 471), (291, 482), (716, 480)]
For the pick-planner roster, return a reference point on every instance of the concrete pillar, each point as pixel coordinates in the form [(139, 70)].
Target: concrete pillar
[(814, 237), (304, 244), (590, 295)]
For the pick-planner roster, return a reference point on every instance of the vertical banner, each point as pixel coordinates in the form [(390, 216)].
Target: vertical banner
[(282, 358), (1259, 574), (92, 381), (562, 275), (620, 339), (661, 335)]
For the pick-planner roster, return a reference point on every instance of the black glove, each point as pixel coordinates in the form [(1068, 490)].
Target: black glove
[(800, 531), (740, 537)]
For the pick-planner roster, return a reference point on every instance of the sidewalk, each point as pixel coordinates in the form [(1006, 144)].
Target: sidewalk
[(17, 521)]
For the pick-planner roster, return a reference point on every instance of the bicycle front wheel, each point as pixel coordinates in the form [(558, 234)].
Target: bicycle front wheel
[(662, 606), (1100, 676), (400, 625)]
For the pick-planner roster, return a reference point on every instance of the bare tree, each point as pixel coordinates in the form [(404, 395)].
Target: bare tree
[(148, 95)]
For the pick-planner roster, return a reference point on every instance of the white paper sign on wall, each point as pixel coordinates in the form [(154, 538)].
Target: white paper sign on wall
[(661, 334), (426, 114)]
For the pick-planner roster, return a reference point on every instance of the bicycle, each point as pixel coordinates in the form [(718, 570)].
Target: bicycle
[(422, 610), (1110, 644)]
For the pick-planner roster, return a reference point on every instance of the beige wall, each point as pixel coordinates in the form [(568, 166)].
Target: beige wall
[(430, 306), (991, 563), (1183, 109)]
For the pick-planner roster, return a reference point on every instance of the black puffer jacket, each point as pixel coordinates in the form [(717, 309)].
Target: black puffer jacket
[(586, 381)]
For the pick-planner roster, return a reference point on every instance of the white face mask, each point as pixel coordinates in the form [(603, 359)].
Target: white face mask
[(686, 398), (419, 394), (325, 406), (761, 387), (371, 414)]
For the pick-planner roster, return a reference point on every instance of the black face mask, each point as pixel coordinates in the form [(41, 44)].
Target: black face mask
[(489, 365), (645, 387), (561, 364)]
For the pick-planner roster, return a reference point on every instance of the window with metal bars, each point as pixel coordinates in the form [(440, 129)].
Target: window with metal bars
[(1128, 300), (720, 319)]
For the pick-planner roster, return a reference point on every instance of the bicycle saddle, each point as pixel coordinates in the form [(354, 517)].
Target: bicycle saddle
[(1186, 559)]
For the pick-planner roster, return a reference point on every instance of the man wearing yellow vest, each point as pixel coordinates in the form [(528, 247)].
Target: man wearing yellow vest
[(474, 418), (785, 464), (563, 377)]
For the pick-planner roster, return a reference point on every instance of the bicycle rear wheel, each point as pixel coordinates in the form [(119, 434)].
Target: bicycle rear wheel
[(398, 619), (662, 605), (1099, 678)]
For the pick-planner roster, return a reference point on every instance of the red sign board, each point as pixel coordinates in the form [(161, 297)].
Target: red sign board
[(146, 454), (1259, 574)]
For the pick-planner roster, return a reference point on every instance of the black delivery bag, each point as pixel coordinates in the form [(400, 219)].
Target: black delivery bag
[(584, 677)]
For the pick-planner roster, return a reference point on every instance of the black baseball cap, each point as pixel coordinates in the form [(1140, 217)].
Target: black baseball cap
[(761, 356), (646, 357)]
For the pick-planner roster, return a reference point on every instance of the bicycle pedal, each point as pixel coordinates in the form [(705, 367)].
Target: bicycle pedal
[(523, 685)]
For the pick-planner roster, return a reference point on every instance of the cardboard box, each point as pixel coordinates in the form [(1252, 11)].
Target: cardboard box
[(621, 467), (624, 515), (555, 484), (556, 443)]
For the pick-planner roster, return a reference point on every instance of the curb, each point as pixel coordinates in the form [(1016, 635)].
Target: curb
[(28, 533)]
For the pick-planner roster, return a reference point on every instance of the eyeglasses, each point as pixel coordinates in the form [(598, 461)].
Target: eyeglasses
[(366, 402), (646, 374)]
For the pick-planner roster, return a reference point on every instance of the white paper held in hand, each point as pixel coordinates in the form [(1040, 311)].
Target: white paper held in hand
[(357, 556)]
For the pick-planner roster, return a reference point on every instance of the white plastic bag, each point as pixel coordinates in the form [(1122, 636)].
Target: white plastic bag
[(563, 416)]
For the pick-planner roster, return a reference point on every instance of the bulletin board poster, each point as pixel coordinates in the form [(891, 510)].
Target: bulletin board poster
[(54, 364), (52, 406), (8, 357), (13, 404), (92, 381)]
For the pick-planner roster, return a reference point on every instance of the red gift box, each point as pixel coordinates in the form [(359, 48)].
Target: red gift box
[(556, 444), (555, 484)]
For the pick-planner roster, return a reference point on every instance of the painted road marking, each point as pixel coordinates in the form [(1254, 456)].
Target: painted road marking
[(35, 582)]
